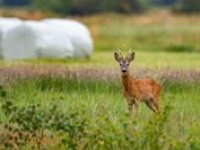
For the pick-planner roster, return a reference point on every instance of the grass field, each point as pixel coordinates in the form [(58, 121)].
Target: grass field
[(78, 104), (155, 31), (105, 59)]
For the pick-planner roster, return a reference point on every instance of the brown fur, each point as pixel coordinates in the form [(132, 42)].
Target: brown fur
[(138, 90)]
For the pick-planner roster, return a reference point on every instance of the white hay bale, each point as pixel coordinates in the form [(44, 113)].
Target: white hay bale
[(7, 24), (35, 40), (77, 32)]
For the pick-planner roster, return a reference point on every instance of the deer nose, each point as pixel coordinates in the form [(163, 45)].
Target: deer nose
[(123, 70)]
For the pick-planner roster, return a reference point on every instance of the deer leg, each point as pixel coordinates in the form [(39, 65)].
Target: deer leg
[(136, 107), (152, 105), (156, 105), (130, 106)]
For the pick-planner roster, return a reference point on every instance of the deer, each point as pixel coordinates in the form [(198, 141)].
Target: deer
[(137, 90)]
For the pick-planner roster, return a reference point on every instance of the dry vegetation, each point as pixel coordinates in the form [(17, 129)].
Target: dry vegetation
[(22, 13), (13, 73)]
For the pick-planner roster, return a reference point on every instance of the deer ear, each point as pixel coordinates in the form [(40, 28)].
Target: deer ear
[(130, 57), (117, 56)]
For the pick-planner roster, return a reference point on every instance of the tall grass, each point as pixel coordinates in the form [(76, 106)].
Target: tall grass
[(97, 113)]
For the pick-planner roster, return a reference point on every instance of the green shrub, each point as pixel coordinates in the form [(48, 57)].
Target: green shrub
[(29, 127), (30, 123), (180, 48), (89, 6), (2, 92), (188, 6)]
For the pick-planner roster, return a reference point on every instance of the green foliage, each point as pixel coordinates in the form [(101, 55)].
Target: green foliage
[(2, 92), (58, 6), (188, 6), (89, 6), (30, 126), (180, 48), (32, 122)]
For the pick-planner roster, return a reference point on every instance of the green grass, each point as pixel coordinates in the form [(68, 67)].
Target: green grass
[(156, 38), (91, 98), (103, 98), (158, 31), (105, 59)]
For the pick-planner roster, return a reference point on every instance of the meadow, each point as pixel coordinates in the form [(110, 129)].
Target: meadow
[(78, 103)]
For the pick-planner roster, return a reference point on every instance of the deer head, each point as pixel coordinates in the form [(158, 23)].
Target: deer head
[(124, 62)]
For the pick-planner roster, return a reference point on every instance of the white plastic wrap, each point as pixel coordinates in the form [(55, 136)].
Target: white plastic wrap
[(35, 40), (7, 24), (77, 32)]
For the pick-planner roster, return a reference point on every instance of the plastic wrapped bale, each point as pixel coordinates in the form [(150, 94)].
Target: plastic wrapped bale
[(7, 24), (36, 40), (79, 34)]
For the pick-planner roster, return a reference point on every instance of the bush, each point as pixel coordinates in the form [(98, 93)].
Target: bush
[(32, 125)]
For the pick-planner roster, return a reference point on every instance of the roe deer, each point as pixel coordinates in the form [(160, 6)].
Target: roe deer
[(137, 90)]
